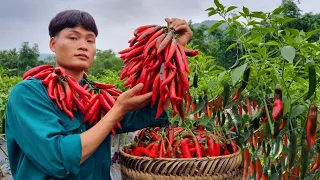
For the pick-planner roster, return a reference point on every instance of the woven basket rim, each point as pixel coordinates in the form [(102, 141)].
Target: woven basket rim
[(184, 159)]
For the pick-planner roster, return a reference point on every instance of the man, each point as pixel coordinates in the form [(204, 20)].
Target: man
[(43, 142)]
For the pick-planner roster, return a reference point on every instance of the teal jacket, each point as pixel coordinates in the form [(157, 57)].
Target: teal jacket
[(44, 143)]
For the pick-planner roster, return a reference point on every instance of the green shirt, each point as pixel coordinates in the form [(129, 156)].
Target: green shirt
[(44, 143)]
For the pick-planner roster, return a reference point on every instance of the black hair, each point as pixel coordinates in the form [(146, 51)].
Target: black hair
[(70, 19)]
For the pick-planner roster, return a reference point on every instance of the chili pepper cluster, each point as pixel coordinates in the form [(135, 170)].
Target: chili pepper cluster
[(176, 142), (156, 59), (93, 99)]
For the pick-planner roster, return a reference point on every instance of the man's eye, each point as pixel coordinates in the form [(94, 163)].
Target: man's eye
[(90, 41), (73, 38)]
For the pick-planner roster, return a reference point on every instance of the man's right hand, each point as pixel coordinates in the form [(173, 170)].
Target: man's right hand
[(128, 101)]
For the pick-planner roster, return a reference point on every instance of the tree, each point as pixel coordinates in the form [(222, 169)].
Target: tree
[(106, 59)]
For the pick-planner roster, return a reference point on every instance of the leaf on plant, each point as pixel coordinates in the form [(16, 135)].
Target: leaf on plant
[(237, 73), (218, 4), (215, 26), (231, 46), (245, 10), (204, 121), (198, 108), (297, 110), (272, 43), (222, 74), (231, 8), (286, 105), (288, 53), (277, 10)]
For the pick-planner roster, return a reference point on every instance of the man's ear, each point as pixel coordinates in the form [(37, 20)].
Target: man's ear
[(52, 44)]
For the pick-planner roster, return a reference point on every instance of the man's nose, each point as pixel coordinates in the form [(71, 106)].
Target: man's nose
[(83, 45)]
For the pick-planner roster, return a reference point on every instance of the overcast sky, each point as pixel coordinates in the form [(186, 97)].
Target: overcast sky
[(27, 20)]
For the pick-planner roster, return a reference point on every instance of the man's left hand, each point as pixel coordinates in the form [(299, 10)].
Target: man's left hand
[(182, 28)]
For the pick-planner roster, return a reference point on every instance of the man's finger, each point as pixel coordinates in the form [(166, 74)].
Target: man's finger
[(180, 27), (136, 89)]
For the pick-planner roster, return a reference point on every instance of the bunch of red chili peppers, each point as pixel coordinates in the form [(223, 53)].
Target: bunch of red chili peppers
[(176, 142), (156, 59), (93, 99)]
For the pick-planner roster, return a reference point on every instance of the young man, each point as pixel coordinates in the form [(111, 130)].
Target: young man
[(43, 142)]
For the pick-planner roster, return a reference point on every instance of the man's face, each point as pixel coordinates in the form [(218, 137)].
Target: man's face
[(75, 48)]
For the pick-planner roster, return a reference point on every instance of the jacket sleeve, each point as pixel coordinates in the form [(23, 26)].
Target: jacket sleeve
[(142, 118), (39, 132)]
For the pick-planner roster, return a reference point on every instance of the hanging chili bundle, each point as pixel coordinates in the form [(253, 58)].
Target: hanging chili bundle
[(156, 59), (93, 99)]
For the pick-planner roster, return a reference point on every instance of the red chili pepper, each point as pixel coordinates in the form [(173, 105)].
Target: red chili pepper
[(258, 169), (162, 148), (108, 97), (165, 42), (68, 95), (237, 95), (103, 86), (171, 52), (185, 148), (317, 163), (104, 102), (141, 29), (311, 125), (155, 148), (148, 32), (74, 85), (50, 88), (78, 102), (190, 52), (184, 58), (295, 174), (44, 73), (92, 110), (252, 168), (56, 97), (35, 70), (154, 135), (159, 40), (146, 152), (248, 104), (160, 109), (211, 147), (246, 156), (197, 146), (277, 104)]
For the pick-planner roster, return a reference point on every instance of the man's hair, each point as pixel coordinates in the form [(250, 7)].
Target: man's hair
[(70, 19)]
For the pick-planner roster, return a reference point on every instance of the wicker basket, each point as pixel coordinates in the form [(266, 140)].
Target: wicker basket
[(145, 168)]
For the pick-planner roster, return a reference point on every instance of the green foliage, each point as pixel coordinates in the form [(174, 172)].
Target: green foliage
[(6, 84), (277, 56), (105, 60)]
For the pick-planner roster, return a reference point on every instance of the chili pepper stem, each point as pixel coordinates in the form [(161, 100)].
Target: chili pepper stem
[(267, 112)]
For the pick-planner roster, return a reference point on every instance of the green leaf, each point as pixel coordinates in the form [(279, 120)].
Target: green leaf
[(277, 10), (231, 46), (272, 43), (218, 4), (287, 105), (309, 34), (215, 26), (198, 108), (231, 8), (288, 53), (209, 9), (237, 73), (212, 12), (298, 110), (222, 74), (312, 81), (204, 121), (245, 10)]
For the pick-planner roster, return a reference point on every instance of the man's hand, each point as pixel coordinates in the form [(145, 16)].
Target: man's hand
[(128, 101), (181, 27)]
